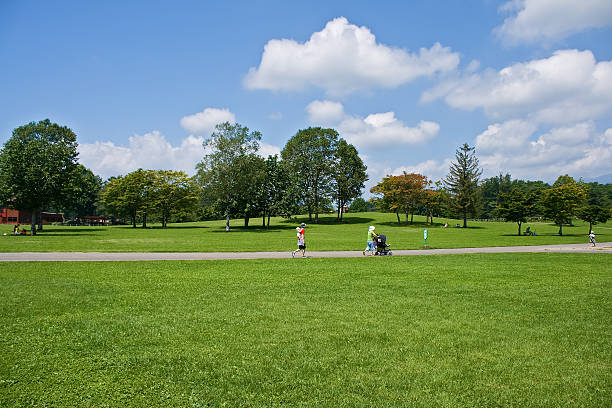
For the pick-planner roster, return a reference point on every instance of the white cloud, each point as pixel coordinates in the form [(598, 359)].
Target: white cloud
[(505, 136), (148, 151), (341, 59), (325, 112), (203, 123), (569, 86), (551, 20), (381, 130), (432, 169), (578, 150)]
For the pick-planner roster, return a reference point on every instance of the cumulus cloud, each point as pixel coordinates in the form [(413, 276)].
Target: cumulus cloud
[(203, 123), (567, 87), (324, 112), (343, 58), (375, 130), (432, 169), (148, 151), (551, 20), (578, 150)]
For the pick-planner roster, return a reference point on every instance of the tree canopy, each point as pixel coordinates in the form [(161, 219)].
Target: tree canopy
[(37, 166), (462, 182)]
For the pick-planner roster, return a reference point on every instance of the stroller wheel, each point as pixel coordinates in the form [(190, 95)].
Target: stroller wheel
[(390, 253)]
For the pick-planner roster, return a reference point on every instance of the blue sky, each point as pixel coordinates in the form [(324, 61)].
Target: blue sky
[(528, 82)]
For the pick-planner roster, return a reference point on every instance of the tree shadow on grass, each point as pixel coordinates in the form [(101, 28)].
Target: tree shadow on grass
[(421, 224), (329, 220)]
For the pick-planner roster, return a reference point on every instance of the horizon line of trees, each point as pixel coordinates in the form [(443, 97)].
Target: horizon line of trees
[(316, 172)]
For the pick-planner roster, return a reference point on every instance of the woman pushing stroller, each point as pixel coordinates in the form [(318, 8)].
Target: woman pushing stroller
[(371, 248)]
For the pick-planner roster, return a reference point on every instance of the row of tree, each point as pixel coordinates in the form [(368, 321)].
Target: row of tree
[(316, 171), (462, 195), (316, 167)]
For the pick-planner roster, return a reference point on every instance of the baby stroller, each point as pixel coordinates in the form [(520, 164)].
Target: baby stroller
[(382, 248)]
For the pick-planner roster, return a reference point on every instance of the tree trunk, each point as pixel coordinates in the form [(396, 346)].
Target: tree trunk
[(398, 218), (33, 226), (246, 221), (40, 222), (144, 220), (411, 217), (268, 220), (133, 216), (227, 218), (519, 228), (464, 220), (263, 220), (590, 227), (560, 228)]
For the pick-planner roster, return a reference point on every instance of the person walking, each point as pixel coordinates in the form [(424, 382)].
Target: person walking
[(370, 242), (592, 238), (301, 240)]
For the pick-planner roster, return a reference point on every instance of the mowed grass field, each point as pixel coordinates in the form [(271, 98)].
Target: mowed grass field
[(327, 235), (528, 330)]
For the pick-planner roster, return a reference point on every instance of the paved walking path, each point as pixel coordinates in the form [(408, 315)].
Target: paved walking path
[(605, 247)]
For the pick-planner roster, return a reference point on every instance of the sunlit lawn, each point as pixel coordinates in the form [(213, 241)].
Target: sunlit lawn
[(327, 235), (443, 331)]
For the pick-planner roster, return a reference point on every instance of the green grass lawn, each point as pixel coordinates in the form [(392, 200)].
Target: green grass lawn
[(442, 331), (327, 235)]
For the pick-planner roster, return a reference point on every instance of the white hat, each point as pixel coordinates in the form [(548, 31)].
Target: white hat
[(372, 228)]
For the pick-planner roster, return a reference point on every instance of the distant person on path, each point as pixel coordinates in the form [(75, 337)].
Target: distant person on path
[(370, 242), (592, 238), (301, 240)]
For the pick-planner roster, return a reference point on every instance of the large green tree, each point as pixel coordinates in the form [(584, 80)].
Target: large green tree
[(37, 164), (462, 182), (225, 172), (309, 156), (83, 193), (349, 175), (516, 206), (174, 193), (562, 201), (594, 214), (131, 195)]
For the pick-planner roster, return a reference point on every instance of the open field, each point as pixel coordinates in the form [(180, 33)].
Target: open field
[(450, 331), (328, 235)]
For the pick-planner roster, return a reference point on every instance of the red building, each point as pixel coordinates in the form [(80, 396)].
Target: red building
[(9, 216)]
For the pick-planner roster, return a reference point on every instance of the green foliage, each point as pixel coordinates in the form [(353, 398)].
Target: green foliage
[(462, 182), (516, 206), (562, 201), (349, 175), (82, 193), (435, 331), (358, 205), (309, 156), (232, 175), (594, 214), (150, 193), (38, 166), (403, 193), (491, 191)]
